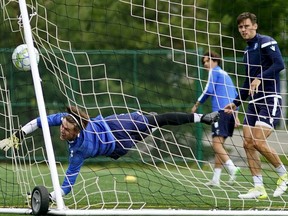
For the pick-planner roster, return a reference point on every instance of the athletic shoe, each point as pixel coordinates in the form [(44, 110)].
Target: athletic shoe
[(258, 192), (281, 185), (210, 118), (234, 175), (213, 183)]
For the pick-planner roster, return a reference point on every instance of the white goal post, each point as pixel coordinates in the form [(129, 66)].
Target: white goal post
[(164, 174), (41, 103)]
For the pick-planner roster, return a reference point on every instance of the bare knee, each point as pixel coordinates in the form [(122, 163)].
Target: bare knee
[(248, 144)]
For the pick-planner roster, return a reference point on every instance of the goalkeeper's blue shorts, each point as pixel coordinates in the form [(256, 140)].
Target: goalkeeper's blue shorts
[(127, 129)]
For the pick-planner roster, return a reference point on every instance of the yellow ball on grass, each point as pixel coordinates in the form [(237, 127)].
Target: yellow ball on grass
[(130, 179)]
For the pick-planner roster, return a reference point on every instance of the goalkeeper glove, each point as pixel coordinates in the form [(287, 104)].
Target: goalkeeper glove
[(13, 141)]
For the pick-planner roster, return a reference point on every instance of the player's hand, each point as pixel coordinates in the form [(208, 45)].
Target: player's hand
[(254, 86), (230, 108), (7, 143)]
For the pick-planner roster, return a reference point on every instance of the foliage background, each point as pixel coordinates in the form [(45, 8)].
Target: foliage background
[(110, 35)]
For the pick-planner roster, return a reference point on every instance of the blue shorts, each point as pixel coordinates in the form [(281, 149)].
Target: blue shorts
[(267, 110), (127, 129), (224, 127)]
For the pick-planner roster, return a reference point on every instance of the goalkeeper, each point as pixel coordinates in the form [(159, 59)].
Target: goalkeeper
[(112, 136)]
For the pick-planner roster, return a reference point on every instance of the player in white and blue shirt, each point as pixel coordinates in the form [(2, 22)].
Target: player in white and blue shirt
[(222, 91), (220, 88)]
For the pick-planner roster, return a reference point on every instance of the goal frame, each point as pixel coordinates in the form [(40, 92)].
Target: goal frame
[(61, 209), (41, 104)]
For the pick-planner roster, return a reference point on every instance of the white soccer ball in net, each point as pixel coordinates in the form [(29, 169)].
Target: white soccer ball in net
[(20, 57)]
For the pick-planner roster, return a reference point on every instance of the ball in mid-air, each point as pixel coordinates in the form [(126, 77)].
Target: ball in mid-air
[(20, 57)]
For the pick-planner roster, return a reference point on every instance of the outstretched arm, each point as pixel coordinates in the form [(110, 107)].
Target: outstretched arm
[(17, 137), (75, 164)]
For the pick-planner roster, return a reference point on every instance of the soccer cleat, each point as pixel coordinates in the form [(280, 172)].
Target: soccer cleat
[(258, 192), (234, 175), (213, 183), (281, 185), (210, 118)]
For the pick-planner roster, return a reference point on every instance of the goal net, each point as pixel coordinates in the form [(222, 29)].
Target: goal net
[(113, 57)]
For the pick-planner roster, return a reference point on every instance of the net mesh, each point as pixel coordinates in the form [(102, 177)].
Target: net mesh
[(173, 164)]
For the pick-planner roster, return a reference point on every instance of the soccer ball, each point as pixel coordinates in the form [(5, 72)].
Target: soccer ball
[(20, 57)]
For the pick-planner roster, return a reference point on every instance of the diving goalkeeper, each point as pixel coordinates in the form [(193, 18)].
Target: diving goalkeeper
[(111, 136)]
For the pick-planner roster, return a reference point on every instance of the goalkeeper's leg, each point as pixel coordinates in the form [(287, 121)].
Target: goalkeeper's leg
[(179, 118)]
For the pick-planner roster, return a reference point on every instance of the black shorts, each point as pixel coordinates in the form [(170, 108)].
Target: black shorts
[(267, 111), (224, 127)]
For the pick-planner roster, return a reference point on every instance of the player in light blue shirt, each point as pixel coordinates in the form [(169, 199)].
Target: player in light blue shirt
[(222, 91)]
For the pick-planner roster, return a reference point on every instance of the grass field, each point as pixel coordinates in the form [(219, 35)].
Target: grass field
[(104, 187)]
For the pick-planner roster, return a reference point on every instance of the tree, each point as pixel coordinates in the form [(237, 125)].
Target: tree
[(271, 18)]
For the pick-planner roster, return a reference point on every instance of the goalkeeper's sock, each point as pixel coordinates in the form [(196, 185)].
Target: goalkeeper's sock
[(197, 117)]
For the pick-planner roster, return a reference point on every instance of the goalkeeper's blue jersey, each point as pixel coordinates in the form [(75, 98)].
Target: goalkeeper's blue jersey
[(95, 140), (220, 88)]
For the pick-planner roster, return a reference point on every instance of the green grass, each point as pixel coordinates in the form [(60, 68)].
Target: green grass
[(180, 188)]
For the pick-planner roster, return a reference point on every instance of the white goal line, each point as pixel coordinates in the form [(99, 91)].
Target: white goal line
[(147, 212)]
